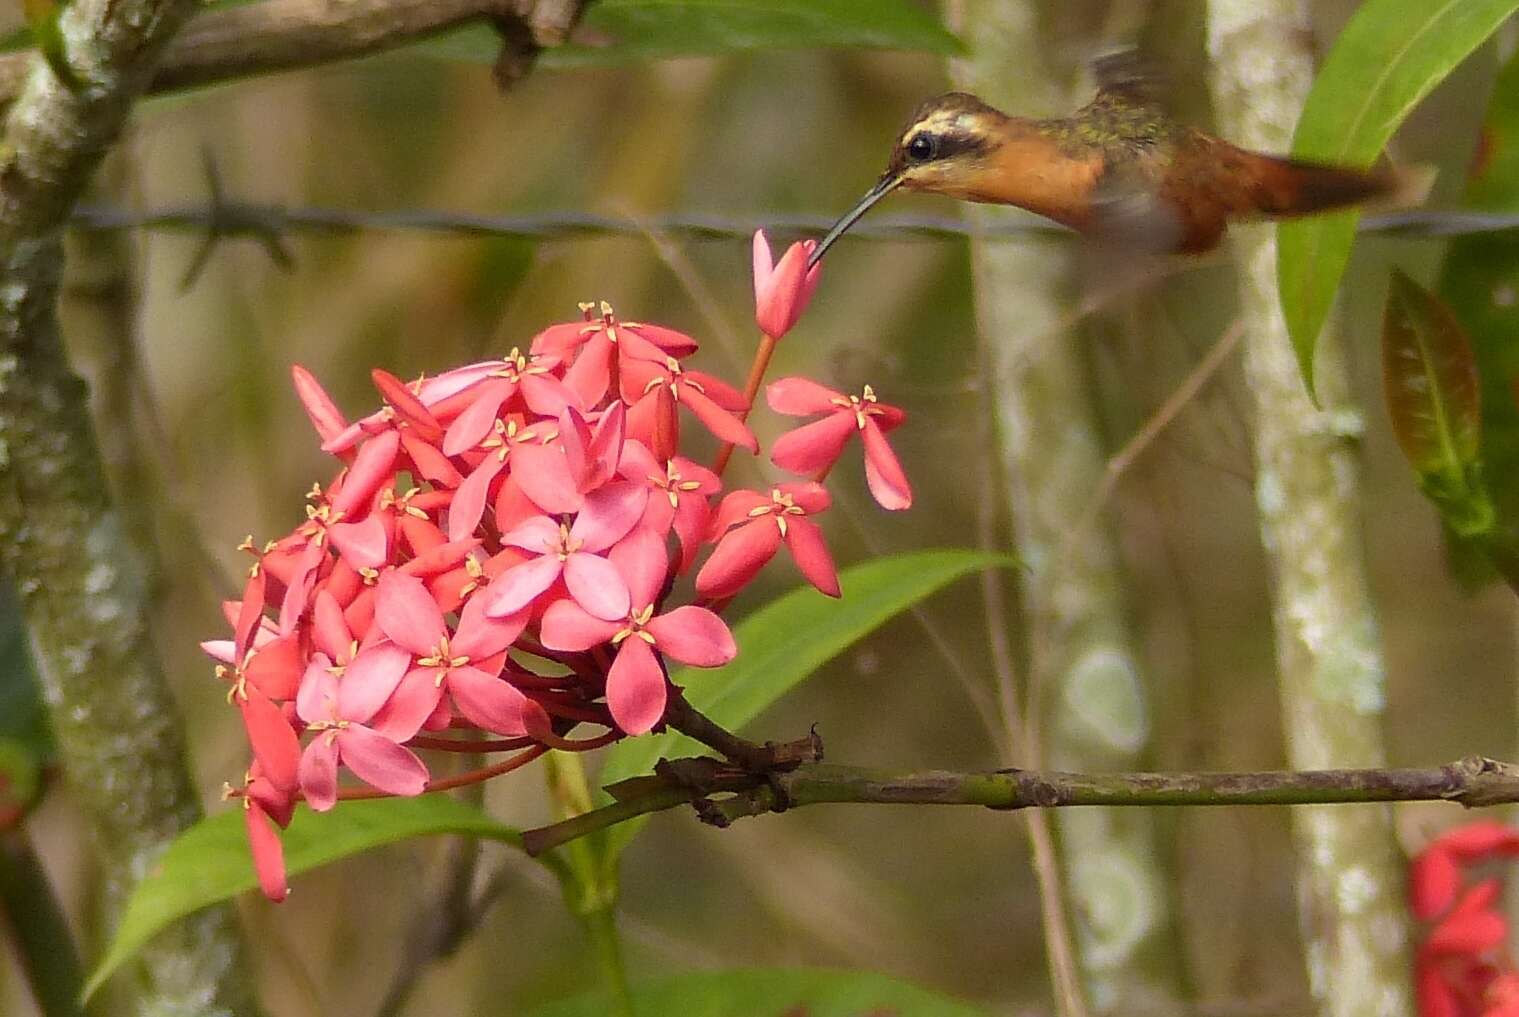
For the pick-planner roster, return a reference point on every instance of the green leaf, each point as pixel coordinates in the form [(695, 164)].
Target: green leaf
[(210, 863), (1429, 377), (1480, 284), (1389, 57), (783, 643), (624, 31), (772, 992)]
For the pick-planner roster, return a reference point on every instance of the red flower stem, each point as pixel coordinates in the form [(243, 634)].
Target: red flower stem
[(471, 745), (521, 759), (581, 744), (751, 392)]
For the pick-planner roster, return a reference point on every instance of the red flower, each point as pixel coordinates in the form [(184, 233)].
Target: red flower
[(636, 679), (782, 291), (524, 503), (750, 528), (812, 449), (1462, 967)]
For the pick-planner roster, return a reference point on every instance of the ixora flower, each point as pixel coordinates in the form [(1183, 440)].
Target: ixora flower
[(812, 449), (491, 565), (1463, 966), (782, 290)]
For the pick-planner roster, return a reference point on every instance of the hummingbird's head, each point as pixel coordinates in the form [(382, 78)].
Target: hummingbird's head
[(943, 149), (946, 140)]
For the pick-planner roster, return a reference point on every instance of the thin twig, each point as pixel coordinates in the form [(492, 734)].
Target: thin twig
[(1474, 782), (1161, 419)]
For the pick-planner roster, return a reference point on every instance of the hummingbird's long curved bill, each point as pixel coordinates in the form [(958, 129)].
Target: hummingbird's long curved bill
[(883, 187)]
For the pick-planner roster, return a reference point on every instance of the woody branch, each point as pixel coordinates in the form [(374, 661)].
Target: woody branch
[(1474, 782), (279, 35)]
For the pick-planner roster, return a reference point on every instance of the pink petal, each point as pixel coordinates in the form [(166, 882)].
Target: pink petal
[(364, 545), (480, 635), (487, 701), (883, 473), (298, 586), (317, 701), (636, 687), (319, 773), (692, 520), (596, 586), (275, 668), (428, 461), (719, 391), (801, 397), (274, 743), (414, 701), (675, 344), (474, 425), (810, 496), (559, 341), (1434, 881), (544, 474), (638, 463), (324, 413), (1467, 933), (806, 543), (764, 265), (591, 373), (548, 396), (468, 506), (268, 853), (643, 563), (250, 612), (537, 534), (1480, 838), (408, 614), (781, 300), (575, 441), (693, 635), (735, 509), (567, 626), (605, 449), (1435, 996), (369, 681), (406, 405), (372, 467), (609, 513), (329, 632), (380, 762), (815, 447), (741, 553), (520, 585), (719, 421)]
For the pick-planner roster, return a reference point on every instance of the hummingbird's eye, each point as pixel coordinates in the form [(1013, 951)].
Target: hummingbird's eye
[(921, 148)]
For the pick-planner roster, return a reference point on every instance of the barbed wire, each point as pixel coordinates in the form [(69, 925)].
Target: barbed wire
[(270, 224), (261, 220)]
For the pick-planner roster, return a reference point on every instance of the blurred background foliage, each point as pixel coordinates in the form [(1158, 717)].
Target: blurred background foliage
[(208, 443)]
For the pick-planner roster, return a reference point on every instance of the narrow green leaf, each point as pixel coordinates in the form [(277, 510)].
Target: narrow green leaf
[(625, 31), (1391, 54), (773, 992), (1429, 377), (783, 643), (210, 863)]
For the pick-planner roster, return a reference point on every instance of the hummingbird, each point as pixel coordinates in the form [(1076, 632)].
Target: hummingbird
[(1120, 168)]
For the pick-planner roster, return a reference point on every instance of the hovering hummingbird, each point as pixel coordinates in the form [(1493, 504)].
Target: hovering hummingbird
[(1120, 168)]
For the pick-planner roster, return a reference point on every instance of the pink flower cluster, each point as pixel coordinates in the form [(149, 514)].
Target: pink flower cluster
[(1463, 967), (490, 566)]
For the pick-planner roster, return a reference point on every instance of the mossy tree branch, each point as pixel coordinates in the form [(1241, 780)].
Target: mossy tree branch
[(82, 584)]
